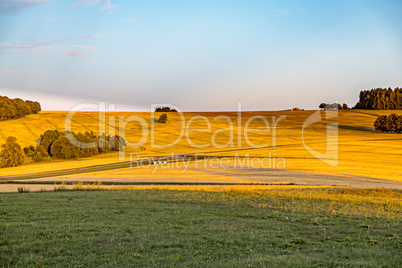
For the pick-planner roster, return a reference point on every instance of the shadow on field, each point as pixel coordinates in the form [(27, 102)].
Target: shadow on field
[(360, 128)]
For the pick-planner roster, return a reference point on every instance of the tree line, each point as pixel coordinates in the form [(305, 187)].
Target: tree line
[(17, 108), (56, 144), (165, 110), (380, 99), (389, 123), (334, 105)]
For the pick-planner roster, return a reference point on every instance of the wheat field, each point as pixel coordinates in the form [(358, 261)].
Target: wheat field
[(364, 155)]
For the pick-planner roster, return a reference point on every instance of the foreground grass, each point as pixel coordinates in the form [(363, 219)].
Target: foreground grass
[(195, 228)]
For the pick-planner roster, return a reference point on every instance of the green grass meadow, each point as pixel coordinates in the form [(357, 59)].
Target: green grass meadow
[(151, 228)]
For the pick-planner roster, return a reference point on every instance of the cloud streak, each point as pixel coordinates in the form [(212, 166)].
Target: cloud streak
[(69, 52), (45, 48), (107, 4), (8, 71), (12, 6)]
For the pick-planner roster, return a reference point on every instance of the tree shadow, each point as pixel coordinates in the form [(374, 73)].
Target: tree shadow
[(357, 128)]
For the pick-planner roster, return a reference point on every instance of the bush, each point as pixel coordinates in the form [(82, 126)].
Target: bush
[(162, 118), (40, 150), (390, 123), (11, 155), (48, 138), (22, 190), (330, 106), (38, 157)]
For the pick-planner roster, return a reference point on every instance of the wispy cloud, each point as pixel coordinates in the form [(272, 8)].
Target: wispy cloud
[(5, 45), (12, 6), (69, 52), (8, 71), (78, 51), (107, 4), (283, 11), (85, 47)]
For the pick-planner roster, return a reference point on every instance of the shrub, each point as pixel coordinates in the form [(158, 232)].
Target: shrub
[(22, 190), (48, 138), (330, 106), (162, 118), (11, 155), (390, 123), (40, 150), (38, 157)]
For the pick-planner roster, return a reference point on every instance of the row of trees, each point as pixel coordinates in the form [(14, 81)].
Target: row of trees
[(165, 110), (57, 144), (333, 106), (17, 108), (390, 123), (380, 99)]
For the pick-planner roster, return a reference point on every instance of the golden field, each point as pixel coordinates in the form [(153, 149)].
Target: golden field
[(365, 157)]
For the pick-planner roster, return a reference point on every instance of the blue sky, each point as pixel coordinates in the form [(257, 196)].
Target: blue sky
[(198, 55)]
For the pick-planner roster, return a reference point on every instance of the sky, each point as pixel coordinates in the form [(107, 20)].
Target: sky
[(199, 55)]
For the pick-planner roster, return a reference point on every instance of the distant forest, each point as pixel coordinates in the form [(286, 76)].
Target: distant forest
[(380, 99), (17, 108)]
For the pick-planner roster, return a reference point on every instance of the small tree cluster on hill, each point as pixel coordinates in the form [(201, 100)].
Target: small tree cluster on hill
[(163, 118), (380, 99), (11, 154), (57, 144), (165, 110), (333, 106), (390, 123), (17, 108)]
